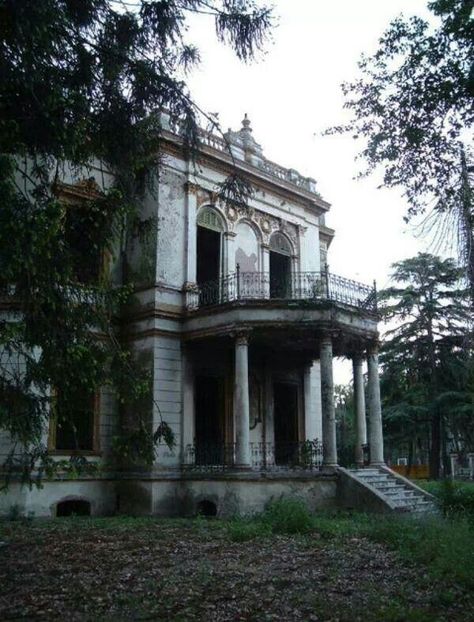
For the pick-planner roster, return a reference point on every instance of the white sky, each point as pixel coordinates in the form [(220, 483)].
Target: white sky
[(291, 95)]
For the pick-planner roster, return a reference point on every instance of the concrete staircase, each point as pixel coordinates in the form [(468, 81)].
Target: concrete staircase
[(393, 491)]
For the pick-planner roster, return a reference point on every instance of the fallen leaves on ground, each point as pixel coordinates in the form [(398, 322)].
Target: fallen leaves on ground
[(138, 569)]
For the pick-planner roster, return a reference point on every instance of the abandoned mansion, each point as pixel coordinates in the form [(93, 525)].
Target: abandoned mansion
[(238, 323)]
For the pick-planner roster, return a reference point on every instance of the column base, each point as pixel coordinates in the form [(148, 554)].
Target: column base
[(242, 467), (376, 464)]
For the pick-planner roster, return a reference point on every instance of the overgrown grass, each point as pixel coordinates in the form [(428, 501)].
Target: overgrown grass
[(442, 546), (284, 516), (445, 547), (456, 499)]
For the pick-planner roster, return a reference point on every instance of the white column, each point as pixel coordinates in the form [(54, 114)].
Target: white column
[(241, 402), (312, 401), (188, 415), (375, 408), (359, 400), (327, 403), (453, 458), (266, 268), (191, 233), (470, 457), (229, 241), (308, 419), (316, 397)]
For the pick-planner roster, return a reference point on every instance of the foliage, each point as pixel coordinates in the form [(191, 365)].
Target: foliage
[(412, 104), (83, 86), (456, 498), (288, 516), (424, 354), (244, 529), (345, 424)]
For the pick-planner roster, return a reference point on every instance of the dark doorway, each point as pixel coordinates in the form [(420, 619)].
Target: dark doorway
[(209, 420), (280, 275), (208, 264), (285, 413)]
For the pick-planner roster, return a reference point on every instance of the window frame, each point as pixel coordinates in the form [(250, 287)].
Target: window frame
[(52, 432)]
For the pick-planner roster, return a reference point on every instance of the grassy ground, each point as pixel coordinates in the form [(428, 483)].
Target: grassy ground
[(335, 567)]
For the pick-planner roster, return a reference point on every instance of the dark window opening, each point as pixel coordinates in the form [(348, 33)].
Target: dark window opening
[(209, 420), (280, 275), (208, 264), (208, 255), (285, 408), (206, 508), (73, 507), (74, 423), (84, 242)]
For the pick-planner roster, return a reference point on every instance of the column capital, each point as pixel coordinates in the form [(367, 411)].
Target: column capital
[(191, 187), (230, 234), (325, 339), (242, 337), (357, 358), (373, 348)]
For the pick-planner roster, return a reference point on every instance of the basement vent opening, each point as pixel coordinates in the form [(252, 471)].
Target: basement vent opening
[(73, 507), (206, 508)]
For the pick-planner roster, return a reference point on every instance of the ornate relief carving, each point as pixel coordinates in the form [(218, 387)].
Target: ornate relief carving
[(231, 213), (191, 188)]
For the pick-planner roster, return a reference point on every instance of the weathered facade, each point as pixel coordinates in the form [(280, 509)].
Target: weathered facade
[(237, 319)]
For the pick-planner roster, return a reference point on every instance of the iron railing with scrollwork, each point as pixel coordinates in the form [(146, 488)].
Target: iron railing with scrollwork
[(303, 286), (216, 457)]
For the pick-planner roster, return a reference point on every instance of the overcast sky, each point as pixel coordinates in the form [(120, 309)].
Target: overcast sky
[(291, 95)]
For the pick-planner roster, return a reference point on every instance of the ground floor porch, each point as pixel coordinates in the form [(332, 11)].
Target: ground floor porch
[(263, 400)]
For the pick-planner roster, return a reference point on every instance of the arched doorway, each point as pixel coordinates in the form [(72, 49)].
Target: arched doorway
[(209, 254), (280, 266)]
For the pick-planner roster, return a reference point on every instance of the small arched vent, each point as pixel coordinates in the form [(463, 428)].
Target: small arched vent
[(206, 508), (73, 507)]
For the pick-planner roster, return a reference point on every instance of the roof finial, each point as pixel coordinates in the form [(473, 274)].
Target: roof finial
[(246, 123)]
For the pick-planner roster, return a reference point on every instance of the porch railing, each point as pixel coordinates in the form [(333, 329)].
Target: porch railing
[(305, 455), (302, 286)]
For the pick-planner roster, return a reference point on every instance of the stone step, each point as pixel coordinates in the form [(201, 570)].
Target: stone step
[(401, 496)]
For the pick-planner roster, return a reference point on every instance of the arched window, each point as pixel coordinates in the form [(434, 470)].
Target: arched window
[(209, 250), (279, 244), (210, 219)]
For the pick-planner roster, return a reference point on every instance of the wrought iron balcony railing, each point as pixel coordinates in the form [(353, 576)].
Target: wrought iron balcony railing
[(204, 457), (303, 286)]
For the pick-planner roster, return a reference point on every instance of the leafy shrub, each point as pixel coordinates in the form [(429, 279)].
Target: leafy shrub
[(241, 530), (287, 516), (457, 499)]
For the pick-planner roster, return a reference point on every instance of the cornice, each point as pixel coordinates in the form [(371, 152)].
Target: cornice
[(221, 162)]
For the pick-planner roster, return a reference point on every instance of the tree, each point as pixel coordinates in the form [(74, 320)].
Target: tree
[(431, 317), (84, 82), (345, 424), (413, 105)]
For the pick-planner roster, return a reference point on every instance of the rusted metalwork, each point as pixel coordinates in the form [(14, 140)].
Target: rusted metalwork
[(208, 457), (297, 286)]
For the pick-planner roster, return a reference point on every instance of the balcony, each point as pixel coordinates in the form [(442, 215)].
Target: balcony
[(310, 287)]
